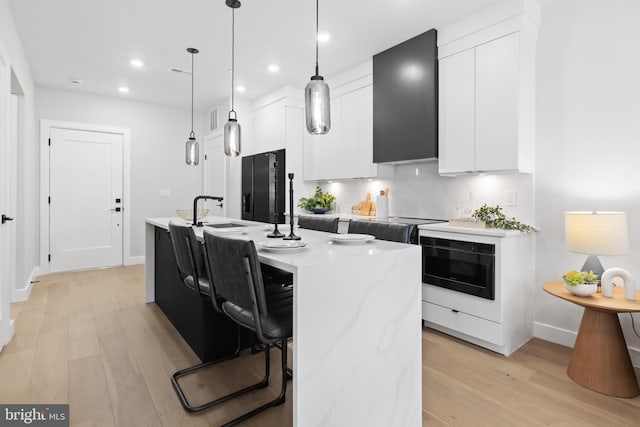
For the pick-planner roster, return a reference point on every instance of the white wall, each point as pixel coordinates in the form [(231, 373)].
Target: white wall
[(158, 136), (588, 140), (27, 216)]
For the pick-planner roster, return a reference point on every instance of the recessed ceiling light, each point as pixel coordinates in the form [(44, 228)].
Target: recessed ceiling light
[(123, 89), (136, 63), (273, 68), (241, 88), (324, 37)]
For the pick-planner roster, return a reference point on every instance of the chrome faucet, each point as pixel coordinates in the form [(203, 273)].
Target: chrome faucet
[(195, 207)]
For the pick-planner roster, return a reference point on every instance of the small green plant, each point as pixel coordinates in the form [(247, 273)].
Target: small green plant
[(493, 217), (320, 199), (573, 278)]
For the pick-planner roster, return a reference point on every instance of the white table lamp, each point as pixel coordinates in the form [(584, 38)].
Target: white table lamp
[(596, 233)]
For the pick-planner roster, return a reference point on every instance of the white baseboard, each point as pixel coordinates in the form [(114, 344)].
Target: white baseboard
[(133, 260), (23, 293), (567, 338)]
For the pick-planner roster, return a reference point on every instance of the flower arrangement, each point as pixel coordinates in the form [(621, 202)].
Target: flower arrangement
[(493, 217), (574, 278), (320, 199)]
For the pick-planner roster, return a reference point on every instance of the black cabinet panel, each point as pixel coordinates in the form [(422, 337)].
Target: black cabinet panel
[(259, 186), (247, 187), (405, 101), (209, 333)]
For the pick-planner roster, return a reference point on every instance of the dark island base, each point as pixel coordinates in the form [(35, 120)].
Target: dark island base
[(210, 334)]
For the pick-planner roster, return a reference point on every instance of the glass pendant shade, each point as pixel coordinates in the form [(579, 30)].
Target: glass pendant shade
[(192, 152), (232, 138), (192, 149), (317, 106)]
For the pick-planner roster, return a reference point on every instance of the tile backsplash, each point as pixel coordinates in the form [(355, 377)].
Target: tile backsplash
[(419, 191)]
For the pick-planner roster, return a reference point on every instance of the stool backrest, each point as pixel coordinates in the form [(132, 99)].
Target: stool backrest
[(236, 272), (382, 230), (329, 225), (185, 247)]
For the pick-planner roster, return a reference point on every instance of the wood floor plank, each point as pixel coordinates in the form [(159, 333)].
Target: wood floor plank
[(88, 339), (88, 392), (130, 400), (48, 382), (15, 367)]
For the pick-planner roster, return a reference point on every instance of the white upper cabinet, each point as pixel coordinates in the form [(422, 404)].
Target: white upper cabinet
[(487, 92), (456, 113), (269, 127), (497, 108), (347, 150)]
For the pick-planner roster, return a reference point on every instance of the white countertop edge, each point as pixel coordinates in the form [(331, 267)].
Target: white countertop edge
[(445, 227)]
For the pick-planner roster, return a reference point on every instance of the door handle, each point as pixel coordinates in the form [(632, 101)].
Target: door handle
[(6, 218), (116, 209)]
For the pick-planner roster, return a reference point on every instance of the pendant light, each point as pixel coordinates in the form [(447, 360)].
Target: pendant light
[(192, 148), (232, 127), (316, 98)]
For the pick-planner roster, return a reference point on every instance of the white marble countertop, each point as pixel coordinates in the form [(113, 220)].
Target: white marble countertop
[(494, 232), (340, 216), (320, 249)]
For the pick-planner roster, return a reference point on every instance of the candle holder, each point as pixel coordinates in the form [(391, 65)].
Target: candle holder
[(275, 234), (291, 235)]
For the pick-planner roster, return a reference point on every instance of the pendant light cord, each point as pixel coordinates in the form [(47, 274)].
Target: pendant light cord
[(317, 29), (192, 134), (233, 62)]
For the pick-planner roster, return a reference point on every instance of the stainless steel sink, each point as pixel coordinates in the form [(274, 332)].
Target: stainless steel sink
[(225, 225)]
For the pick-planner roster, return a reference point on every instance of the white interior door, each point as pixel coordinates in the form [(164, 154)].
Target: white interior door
[(12, 201), (7, 258), (215, 172), (85, 189)]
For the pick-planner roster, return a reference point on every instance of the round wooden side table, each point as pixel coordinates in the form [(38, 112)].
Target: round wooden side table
[(600, 359)]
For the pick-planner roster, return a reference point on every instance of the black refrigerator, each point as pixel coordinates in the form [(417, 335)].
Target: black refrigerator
[(263, 186)]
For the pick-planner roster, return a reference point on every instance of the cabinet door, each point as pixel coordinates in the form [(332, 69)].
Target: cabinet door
[(497, 104), (457, 113), (268, 128), (357, 134), (322, 159)]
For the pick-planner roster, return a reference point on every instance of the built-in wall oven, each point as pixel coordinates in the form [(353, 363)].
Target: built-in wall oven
[(467, 267)]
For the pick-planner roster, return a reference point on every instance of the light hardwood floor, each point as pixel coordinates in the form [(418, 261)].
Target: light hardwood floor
[(88, 339)]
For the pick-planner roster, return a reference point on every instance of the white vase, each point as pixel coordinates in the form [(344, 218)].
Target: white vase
[(582, 290)]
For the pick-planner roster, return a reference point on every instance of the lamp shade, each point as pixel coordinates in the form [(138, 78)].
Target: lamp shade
[(192, 152), (232, 138), (597, 233), (317, 106)]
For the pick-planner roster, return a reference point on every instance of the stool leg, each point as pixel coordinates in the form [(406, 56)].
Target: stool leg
[(199, 408), (280, 399)]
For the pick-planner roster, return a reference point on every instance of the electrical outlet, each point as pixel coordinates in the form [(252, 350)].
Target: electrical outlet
[(511, 198), (166, 193)]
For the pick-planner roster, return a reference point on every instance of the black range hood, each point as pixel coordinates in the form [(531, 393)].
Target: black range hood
[(405, 101)]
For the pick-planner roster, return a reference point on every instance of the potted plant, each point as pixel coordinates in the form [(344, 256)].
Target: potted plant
[(493, 217), (321, 202), (581, 283)]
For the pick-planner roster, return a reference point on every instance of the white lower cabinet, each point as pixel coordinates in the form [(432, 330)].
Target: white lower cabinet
[(502, 324)]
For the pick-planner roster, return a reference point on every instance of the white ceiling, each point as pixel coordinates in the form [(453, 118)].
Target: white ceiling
[(94, 40)]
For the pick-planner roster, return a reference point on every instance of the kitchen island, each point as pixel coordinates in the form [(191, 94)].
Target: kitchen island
[(357, 355)]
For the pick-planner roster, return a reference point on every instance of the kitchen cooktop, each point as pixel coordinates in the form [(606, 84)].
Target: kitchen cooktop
[(413, 221)]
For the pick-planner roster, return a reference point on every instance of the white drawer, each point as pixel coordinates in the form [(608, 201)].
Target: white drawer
[(459, 321), (470, 304)]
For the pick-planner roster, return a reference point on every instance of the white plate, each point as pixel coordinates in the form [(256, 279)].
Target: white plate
[(354, 239), (282, 245)]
